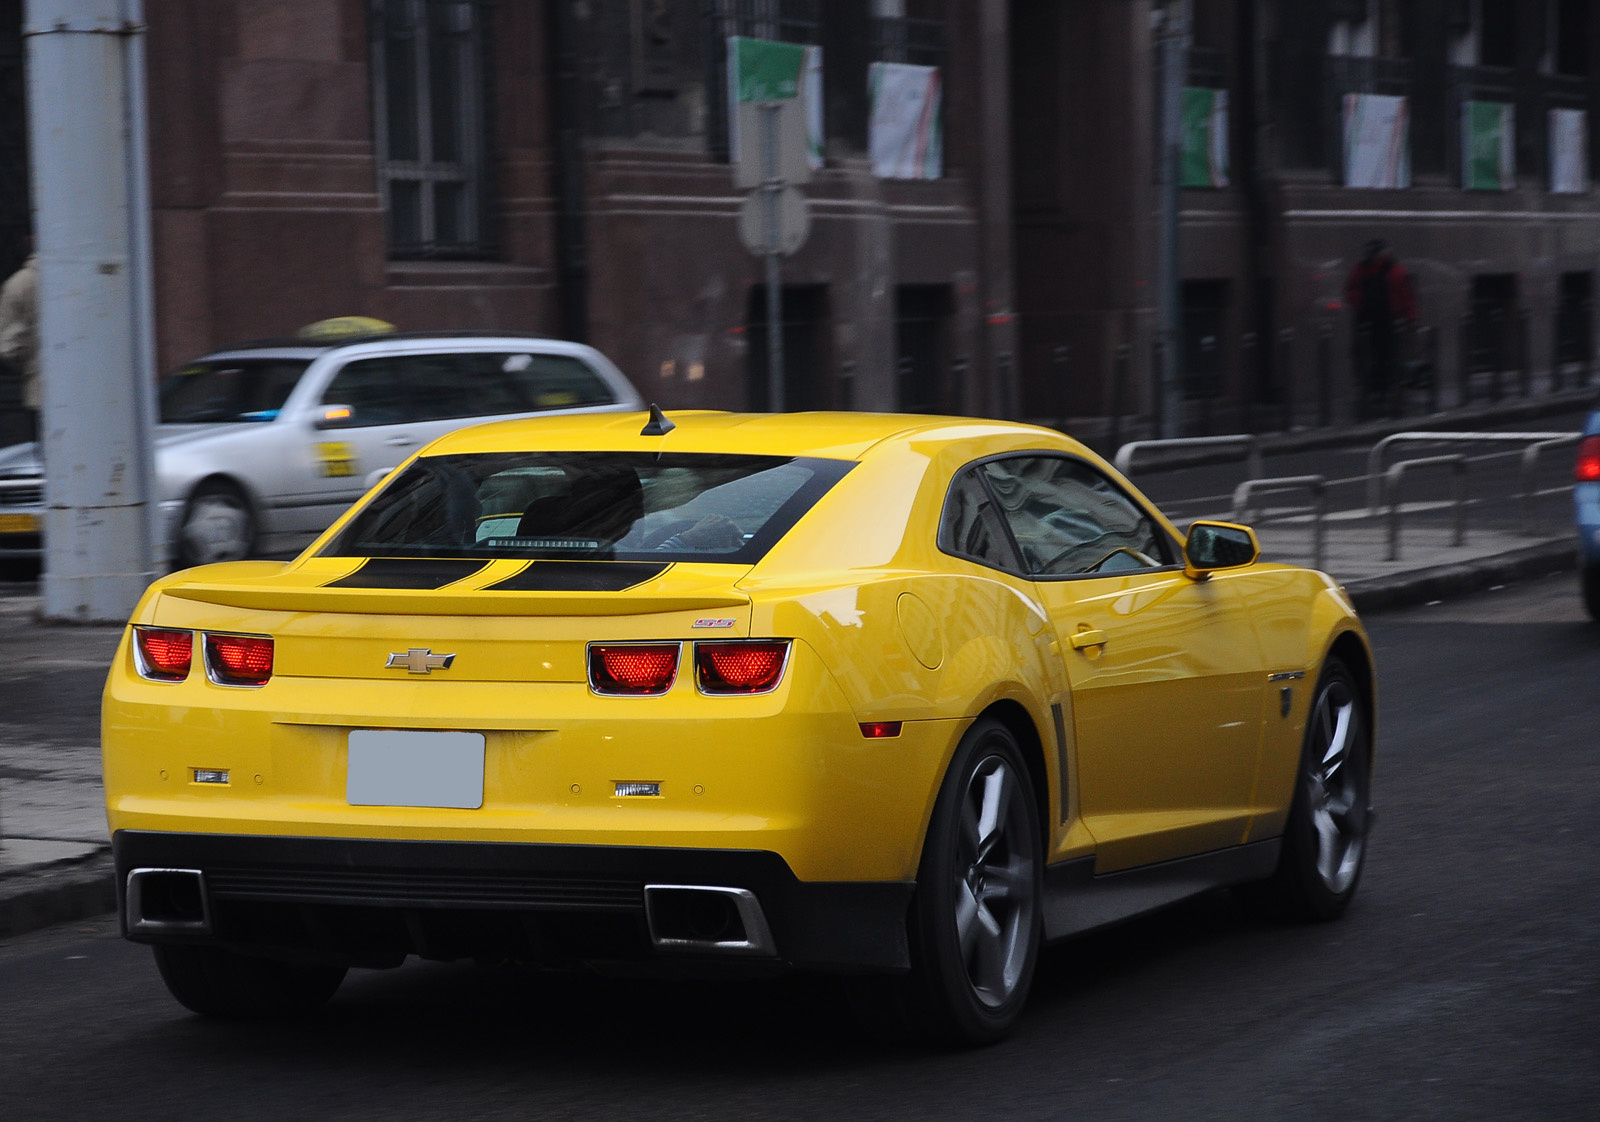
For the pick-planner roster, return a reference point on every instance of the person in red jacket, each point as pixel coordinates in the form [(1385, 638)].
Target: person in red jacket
[(1378, 290)]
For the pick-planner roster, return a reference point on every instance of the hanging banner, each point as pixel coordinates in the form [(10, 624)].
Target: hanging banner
[(1377, 141), (905, 132), (763, 70), (1205, 138), (1488, 161), (1569, 151)]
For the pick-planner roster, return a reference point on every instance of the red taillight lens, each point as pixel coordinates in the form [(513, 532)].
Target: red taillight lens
[(164, 655), (741, 666), (1588, 469), (633, 668), (239, 660)]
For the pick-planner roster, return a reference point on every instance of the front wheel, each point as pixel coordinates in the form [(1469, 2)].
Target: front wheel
[(1325, 840), (976, 919), (216, 982), (217, 526)]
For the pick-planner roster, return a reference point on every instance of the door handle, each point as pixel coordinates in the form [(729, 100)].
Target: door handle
[(1087, 637), (399, 442)]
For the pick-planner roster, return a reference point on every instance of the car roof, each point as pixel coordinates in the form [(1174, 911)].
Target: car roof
[(847, 436), (297, 347)]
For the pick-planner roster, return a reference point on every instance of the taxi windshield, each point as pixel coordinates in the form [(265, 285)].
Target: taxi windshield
[(249, 389), (589, 506)]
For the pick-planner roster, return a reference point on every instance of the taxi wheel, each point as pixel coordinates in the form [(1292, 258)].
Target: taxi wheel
[(1591, 591), (1325, 840), (976, 919), (217, 526), (216, 982)]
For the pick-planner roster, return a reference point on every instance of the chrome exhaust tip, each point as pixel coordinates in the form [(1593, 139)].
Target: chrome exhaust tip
[(167, 902), (707, 919)]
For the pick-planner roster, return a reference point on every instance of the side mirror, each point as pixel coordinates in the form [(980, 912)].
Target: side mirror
[(334, 417), (1218, 545)]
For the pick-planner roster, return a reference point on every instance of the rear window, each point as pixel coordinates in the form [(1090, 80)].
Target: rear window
[(252, 389), (589, 505)]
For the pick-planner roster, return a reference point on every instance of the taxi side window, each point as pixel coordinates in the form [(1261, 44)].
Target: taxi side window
[(553, 381), (374, 390), (970, 527), (1070, 520)]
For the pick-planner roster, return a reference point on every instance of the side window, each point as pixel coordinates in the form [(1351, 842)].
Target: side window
[(969, 526), (1068, 519), (373, 389), (441, 386), (554, 381)]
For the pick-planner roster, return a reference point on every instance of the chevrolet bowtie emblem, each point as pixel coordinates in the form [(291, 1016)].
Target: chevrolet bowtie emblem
[(419, 660)]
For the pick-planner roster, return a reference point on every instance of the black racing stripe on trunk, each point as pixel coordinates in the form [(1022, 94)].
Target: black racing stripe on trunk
[(408, 572), (579, 576)]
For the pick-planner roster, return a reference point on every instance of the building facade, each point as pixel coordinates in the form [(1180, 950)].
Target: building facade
[(564, 167)]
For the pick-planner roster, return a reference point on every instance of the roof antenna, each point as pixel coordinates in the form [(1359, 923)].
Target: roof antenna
[(657, 425)]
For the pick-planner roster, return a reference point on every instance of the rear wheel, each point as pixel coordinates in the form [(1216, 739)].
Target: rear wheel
[(217, 526), (1325, 840), (1591, 591), (976, 920), (216, 982)]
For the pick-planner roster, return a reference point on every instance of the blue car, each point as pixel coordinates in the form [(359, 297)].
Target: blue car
[(1586, 503)]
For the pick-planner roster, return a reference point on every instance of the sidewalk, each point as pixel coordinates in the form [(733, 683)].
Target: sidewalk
[(55, 861)]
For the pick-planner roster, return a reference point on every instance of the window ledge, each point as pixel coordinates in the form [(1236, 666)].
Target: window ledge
[(463, 274)]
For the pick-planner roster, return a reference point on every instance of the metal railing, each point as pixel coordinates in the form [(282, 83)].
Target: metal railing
[(1375, 457), (1248, 441), (1317, 486), (1392, 479), (1530, 466)]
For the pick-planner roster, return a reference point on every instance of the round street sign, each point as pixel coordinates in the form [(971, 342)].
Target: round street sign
[(794, 221)]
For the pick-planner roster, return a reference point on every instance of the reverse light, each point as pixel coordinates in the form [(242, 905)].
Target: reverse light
[(633, 669), (238, 660), (163, 655), (740, 665), (1588, 469)]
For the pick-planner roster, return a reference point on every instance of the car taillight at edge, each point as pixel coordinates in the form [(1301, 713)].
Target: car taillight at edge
[(1588, 469), (633, 669), (740, 665), (239, 660), (164, 655)]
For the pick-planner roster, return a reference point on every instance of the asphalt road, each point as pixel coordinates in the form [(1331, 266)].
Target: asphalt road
[(1462, 984)]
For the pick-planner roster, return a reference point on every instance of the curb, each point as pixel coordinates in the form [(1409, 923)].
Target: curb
[(57, 892), (1441, 582)]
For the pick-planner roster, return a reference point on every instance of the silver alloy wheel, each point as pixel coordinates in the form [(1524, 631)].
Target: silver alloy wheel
[(994, 889), (1336, 778), (216, 528)]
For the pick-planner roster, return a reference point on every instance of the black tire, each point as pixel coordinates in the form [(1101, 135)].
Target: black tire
[(976, 919), (218, 525), (1325, 839), (216, 982), (1591, 591)]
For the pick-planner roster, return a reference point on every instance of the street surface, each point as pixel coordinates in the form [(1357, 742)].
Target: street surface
[(1462, 984)]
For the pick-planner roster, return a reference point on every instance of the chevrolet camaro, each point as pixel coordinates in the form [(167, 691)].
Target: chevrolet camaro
[(899, 698)]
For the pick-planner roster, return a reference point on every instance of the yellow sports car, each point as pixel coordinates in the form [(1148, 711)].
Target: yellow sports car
[(865, 694)]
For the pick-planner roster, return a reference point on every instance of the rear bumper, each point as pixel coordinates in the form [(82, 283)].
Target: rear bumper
[(372, 902)]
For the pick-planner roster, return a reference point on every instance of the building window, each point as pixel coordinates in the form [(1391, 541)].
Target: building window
[(1569, 36), (1497, 33), (430, 109)]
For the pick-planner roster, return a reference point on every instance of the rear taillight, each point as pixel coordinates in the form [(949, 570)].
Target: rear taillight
[(164, 656), (239, 660), (740, 665), (1588, 469), (634, 669)]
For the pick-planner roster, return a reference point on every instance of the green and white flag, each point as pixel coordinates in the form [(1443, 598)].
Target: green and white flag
[(905, 134), (764, 70), (1205, 137), (1569, 151), (1377, 141), (1488, 156)]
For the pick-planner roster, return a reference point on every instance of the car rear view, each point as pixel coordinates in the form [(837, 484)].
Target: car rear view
[(1586, 500)]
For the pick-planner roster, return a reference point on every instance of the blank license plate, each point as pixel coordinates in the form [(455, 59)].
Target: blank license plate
[(390, 767)]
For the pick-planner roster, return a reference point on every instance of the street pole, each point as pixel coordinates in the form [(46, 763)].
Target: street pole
[(771, 185), (1174, 67), (86, 85)]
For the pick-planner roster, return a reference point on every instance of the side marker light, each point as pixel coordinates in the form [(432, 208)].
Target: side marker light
[(880, 730)]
